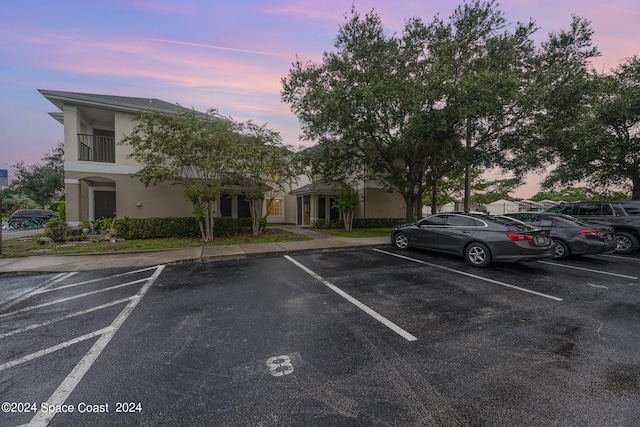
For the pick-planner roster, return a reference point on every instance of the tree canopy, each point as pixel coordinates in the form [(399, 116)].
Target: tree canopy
[(603, 146), (41, 182), (189, 149), (261, 167), (208, 153), (405, 109)]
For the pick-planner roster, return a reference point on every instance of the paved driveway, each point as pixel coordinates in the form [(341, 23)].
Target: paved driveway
[(371, 337)]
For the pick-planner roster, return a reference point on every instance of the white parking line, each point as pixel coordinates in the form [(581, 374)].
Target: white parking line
[(42, 419), (471, 275), (397, 329), (33, 307), (58, 278), (68, 316), (587, 269), (619, 257), (51, 349), (50, 289)]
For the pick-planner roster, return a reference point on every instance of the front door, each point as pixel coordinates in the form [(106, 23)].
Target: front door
[(105, 204)]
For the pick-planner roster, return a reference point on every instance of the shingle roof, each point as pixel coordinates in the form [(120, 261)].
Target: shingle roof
[(123, 103), (331, 188)]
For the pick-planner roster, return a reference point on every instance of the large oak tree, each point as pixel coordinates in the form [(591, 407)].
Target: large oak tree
[(602, 146), (400, 107)]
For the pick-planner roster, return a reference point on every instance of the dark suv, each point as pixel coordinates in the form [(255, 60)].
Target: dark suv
[(622, 215)]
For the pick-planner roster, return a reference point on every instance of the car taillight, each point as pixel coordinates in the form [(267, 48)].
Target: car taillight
[(520, 237), (599, 233)]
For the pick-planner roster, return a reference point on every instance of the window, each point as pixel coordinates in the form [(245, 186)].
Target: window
[(591, 209), (434, 220), (632, 208), (563, 209), (463, 221), (607, 209), (275, 207), (596, 209), (530, 219)]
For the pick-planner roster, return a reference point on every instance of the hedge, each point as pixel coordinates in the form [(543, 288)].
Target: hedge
[(168, 227), (377, 222)]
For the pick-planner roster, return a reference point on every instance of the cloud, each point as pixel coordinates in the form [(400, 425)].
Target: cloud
[(220, 48)]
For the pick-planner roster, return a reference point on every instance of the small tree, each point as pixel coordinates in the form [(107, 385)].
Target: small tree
[(347, 202), (261, 167), (189, 149)]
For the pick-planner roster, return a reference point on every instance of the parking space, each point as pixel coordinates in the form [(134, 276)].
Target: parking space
[(369, 337), (51, 335)]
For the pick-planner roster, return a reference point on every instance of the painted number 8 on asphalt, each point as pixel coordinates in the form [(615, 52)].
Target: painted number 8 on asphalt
[(280, 365)]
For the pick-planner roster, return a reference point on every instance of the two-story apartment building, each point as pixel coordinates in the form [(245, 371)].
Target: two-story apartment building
[(98, 172)]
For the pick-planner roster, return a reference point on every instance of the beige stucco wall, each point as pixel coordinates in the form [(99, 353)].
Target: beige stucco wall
[(71, 130), (160, 200), (133, 199), (124, 125), (381, 203)]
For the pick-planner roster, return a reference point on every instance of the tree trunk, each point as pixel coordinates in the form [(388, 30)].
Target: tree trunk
[(409, 209), (467, 171), (635, 190), (347, 218), (434, 198), (255, 206), (212, 220)]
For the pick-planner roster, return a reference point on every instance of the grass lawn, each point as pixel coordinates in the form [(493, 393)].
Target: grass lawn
[(15, 248)]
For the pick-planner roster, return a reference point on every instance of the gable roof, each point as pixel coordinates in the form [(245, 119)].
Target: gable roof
[(112, 102), (321, 187)]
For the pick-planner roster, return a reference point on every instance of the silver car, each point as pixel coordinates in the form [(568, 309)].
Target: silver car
[(479, 238)]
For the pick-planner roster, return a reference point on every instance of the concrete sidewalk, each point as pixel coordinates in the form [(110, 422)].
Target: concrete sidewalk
[(62, 263)]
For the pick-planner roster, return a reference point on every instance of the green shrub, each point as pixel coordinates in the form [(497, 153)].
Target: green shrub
[(377, 222), (103, 224), (152, 228), (74, 237), (325, 223), (62, 210), (57, 230)]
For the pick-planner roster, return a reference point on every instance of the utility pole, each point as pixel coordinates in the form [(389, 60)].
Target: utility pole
[(467, 171), (1, 255), (4, 182)]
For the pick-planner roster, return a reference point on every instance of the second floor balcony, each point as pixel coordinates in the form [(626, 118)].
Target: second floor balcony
[(96, 148)]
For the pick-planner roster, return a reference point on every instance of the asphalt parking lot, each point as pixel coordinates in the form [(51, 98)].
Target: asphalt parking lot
[(368, 337)]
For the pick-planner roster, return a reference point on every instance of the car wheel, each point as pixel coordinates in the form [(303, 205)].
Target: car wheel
[(400, 241), (477, 254), (561, 250), (627, 243)]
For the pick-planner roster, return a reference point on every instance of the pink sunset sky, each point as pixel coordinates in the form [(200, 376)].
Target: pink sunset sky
[(214, 54)]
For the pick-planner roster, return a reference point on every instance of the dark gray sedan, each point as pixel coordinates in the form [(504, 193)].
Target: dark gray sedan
[(570, 235), (479, 238)]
